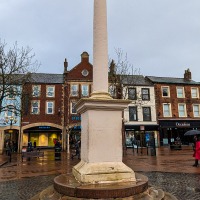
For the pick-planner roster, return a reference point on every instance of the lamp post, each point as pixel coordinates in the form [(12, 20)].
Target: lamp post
[(12, 120)]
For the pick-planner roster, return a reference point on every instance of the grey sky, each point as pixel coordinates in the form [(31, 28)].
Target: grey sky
[(161, 37)]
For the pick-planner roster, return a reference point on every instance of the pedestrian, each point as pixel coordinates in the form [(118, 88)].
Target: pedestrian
[(77, 149), (196, 154)]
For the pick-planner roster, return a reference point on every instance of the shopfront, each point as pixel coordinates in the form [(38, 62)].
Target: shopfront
[(141, 136), (43, 136), (172, 130)]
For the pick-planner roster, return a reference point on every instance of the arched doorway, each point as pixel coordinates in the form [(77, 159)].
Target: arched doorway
[(11, 136)]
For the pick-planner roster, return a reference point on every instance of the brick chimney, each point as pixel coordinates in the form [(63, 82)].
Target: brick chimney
[(65, 65), (187, 75), (84, 57)]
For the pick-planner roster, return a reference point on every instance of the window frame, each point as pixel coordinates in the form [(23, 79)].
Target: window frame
[(197, 92), (148, 95), (194, 110), (112, 90), (38, 107), (183, 92), (170, 111), (82, 86), (185, 113), (47, 107), (71, 90), (149, 108), (39, 90), (168, 91), (10, 110), (71, 108), (14, 93), (135, 95), (47, 92), (136, 113)]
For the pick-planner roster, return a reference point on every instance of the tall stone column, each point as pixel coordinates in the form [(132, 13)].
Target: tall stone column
[(101, 118)]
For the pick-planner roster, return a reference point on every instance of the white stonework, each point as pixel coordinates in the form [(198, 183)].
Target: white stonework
[(101, 118)]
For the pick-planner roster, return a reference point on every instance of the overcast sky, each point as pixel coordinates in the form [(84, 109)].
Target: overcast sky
[(161, 37)]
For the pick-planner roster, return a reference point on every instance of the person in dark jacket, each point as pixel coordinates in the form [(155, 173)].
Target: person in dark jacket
[(77, 149)]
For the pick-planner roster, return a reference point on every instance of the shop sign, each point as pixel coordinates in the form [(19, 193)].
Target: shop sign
[(44, 127), (182, 124)]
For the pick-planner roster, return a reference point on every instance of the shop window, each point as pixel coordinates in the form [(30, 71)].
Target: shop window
[(167, 110), (50, 91), (132, 94), (35, 106), (50, 107), (165, 91), (36, 90), (73, 109), (196, 110), (85, 91), (74, 90), (180, 92), (145, 94), (182, 110), (194, 92), (146, 113), (133, 113)]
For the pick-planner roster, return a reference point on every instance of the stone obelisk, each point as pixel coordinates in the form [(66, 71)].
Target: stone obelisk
[(101, 118)]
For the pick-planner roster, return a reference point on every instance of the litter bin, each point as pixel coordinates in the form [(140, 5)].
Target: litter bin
[(57, 153)]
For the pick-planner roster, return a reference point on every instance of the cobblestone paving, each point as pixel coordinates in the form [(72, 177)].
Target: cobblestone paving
[(183, 186)]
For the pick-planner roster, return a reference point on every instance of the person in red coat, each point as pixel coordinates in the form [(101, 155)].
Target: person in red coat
[(197, 152)]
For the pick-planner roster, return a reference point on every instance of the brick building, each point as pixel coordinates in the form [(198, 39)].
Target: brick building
[(177, 106), (42, 119)]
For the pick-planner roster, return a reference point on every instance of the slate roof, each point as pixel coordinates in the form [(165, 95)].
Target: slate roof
[(171, 80), (46, 78), (138, 80)]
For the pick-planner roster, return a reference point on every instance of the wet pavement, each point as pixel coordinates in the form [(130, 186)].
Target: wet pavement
[(170, 170)]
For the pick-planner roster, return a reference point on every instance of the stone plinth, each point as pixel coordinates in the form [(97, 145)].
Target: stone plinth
[(101, 136)]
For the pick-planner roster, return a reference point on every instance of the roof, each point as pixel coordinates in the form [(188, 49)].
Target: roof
[(171, 80), (138, 80), (46, 78)]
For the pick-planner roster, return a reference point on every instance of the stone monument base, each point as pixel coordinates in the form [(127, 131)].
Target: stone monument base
[(66, 187), (105, 172)]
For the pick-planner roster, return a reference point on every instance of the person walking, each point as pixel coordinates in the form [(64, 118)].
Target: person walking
[(197, 152), (77, 149)]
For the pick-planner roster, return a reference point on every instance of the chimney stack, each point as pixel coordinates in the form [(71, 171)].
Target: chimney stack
[(112, 68), (187, 75), (84, 57), (65, 65)]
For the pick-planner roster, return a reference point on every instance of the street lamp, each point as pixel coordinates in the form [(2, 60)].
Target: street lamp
[(12, 120)]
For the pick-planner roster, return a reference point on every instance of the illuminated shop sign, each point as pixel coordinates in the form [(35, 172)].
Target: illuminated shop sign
[(44, 127), (182, 124)]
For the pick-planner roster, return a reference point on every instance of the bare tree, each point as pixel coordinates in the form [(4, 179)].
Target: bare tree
[(16, 64), (121, 75)]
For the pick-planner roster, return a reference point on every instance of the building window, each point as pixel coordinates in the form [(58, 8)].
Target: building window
[(35, 106), (85, 92), (36, 90), (50, 91), (132, 94), (146, 113), (196, 110), (180, 92), (133, 113), (145, 94), (194, 92), (112, 90), (181, 110), (74, 90), (165, 91), (10, 111), (166, 110), (73, 109), (11, 93), (50, 107)]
